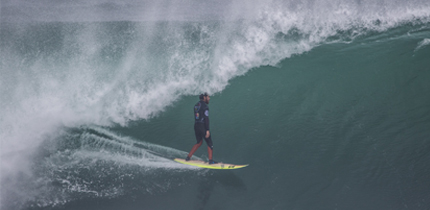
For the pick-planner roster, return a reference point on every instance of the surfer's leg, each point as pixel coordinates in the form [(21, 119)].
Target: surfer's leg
[(194, 149), (199, 132), (210, 151)]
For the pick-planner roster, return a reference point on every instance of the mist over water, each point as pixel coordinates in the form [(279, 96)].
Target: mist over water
[(73, 65)]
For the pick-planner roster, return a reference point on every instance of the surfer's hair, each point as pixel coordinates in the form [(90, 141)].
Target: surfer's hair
[(203, 95)]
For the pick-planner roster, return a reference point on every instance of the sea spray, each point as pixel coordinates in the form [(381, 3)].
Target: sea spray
[(422, 44)]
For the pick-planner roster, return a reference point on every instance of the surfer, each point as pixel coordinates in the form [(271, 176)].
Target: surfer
[(201, 126)]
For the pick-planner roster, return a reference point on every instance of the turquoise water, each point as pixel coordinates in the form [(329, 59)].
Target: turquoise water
[(328, 103)]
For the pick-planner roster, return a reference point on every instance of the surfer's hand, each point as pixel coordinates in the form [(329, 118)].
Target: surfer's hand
[(208, 134)]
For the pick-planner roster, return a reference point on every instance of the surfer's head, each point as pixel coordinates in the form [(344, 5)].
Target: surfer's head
[(205, 97)]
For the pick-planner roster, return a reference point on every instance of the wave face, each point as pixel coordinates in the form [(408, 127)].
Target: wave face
[(78, 76)]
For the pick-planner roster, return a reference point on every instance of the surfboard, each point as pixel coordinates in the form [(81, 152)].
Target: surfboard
[(203, 164)]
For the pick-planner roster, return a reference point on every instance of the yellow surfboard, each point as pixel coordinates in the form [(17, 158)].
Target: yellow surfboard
[(203, 164)]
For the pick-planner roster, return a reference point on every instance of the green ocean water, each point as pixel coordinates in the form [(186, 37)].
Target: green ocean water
[(329, 104), (342, 127)]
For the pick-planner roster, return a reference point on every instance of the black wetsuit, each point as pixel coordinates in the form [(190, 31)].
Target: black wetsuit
[(201, 125)]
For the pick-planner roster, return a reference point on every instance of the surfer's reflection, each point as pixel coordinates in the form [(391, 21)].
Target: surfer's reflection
[(212, 179)]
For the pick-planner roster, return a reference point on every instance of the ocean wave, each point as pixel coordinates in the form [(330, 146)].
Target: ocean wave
[(67, 71)]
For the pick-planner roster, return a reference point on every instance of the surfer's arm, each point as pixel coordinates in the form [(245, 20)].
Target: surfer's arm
[(207, 119), (207, 123), (207, 127)]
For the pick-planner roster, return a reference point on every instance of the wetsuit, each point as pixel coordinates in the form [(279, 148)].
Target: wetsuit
[(201, 125)]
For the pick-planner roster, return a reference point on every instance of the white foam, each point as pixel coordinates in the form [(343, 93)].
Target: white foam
[(422, 44), (92, 162)]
